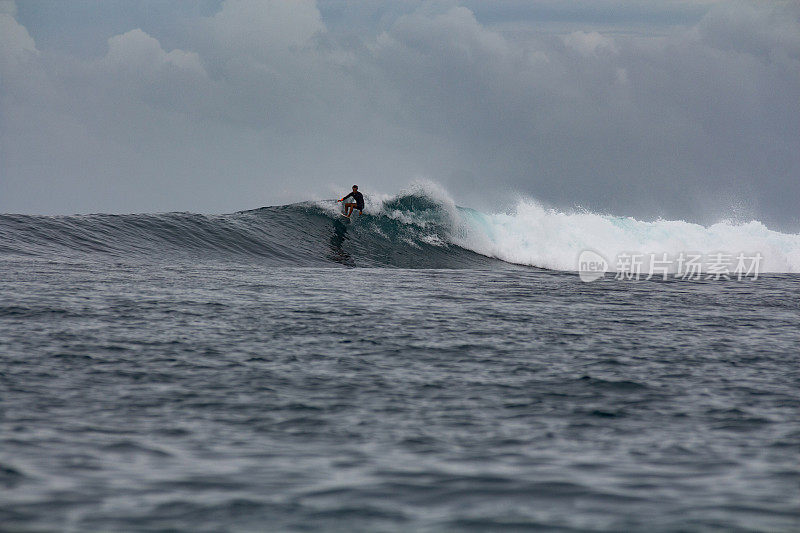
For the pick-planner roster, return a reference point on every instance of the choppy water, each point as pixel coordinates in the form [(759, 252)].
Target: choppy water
[(208, 387)]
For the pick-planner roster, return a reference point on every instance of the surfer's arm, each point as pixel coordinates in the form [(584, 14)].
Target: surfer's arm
[(346, 197)]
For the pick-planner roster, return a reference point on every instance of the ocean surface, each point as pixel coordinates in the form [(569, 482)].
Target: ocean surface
[(423, 368)]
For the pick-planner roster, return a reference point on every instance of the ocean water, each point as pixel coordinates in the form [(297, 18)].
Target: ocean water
[(280, 370)]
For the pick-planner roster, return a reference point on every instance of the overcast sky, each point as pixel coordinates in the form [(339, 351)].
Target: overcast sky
[(675, 109)]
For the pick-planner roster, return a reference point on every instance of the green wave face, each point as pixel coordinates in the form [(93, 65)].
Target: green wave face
[(407, 231)]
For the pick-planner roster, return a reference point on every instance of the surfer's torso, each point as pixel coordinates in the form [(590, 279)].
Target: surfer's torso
[(358, 197)]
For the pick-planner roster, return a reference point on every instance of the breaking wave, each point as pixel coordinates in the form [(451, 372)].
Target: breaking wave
[(420, 228)]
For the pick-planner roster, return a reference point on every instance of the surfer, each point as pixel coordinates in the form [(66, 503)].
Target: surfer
[(358, 204)]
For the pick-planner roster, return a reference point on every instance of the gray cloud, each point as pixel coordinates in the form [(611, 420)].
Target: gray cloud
[(262, 103)]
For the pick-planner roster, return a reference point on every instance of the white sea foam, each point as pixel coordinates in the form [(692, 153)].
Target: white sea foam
[(534, 235)]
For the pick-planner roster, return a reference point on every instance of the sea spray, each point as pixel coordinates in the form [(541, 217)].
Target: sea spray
[(549, 238)]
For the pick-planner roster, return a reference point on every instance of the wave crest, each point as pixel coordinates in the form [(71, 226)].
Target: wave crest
[(418, 228), (549, 238)]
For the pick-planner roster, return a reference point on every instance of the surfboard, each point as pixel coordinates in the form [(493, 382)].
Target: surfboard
[(352, 216)]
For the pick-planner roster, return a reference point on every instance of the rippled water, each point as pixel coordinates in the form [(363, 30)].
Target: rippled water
[(230, 396)]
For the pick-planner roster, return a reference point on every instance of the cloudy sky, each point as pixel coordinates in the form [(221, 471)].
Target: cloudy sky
[(663, 108)]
